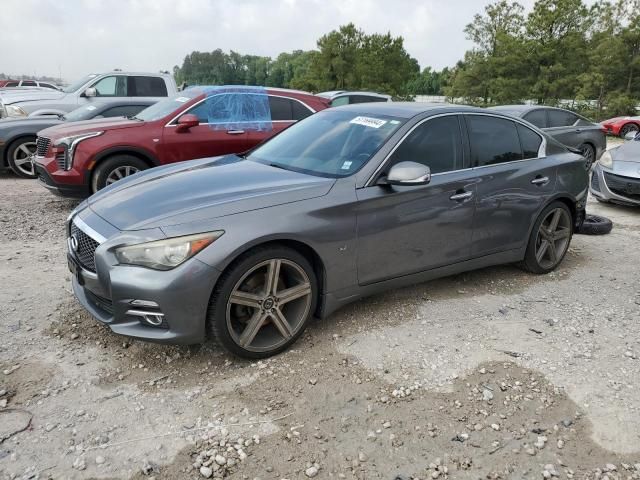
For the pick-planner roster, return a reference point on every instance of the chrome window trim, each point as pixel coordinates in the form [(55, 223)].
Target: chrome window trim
[(171, 124), (88, 230), (542, 150)]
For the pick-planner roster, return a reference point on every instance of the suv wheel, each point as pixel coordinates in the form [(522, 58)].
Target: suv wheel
[(263, 302), (549, 240), (19, 156), (115, 168)]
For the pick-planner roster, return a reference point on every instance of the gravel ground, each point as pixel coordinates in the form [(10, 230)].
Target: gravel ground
[(490, 374)]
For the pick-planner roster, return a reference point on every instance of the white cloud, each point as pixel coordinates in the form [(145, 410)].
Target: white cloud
[(74, 37)]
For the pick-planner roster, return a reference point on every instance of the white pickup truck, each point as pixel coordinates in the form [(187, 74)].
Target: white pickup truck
[(112, 86)]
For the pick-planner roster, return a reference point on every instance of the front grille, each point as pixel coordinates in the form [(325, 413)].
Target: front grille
[(595, 182), (86, 248), (624, 186), (42, 146), (103, 303)]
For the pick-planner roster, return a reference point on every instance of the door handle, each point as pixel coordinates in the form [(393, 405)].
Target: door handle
[(540, 181), (578, 130), (458, 197), (235, 132)]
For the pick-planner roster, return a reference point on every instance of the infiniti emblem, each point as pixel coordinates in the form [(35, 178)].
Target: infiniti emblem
[(74, 243)]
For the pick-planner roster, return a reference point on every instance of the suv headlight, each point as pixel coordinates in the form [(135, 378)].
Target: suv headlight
[(606, 160), (14, 111), (70, 143), (166, 254)]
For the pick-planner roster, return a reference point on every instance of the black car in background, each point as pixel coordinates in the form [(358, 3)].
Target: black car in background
[(567, 127), (18, 137)]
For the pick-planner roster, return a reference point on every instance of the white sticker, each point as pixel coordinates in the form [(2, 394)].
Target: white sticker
[(368, 122), (91, 107), (346, 165), (182, 99)]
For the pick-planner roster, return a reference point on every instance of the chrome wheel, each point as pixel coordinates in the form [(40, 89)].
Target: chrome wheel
[(553, 238), (22, 159), (119, 173), (268, 305)]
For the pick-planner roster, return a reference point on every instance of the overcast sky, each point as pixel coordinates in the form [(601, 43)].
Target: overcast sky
[(75, 37)]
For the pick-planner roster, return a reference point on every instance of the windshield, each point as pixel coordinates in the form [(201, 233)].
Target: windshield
[(83, 113), (331, 143), (76, 86), (165, 107)]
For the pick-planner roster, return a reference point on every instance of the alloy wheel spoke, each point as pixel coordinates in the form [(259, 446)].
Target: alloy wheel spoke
[(542, 249), (555, 220), (24, 149), (252, 328), (245, 298), (294, 293), (281, 323), (553, 255), (271, 281), (561, 233), (21, 161)]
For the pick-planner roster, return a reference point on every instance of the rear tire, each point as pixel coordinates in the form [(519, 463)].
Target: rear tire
[(115, 168), (595, 225), (254, 317), (549, 240), (19, 157), (629, 127), (589, 154)]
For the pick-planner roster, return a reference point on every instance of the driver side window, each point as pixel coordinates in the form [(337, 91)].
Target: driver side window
[(436, 143), (114, 86)]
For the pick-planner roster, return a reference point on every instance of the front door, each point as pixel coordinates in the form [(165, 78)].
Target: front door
[(515, 180), (408, 229)]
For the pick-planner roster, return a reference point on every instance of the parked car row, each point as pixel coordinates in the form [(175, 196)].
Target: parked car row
[(27, 83)]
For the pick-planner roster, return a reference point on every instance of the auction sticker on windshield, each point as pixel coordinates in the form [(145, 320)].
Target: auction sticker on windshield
[(368, 122)]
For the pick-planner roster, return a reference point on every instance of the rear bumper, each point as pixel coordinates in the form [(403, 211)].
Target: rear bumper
[(614, 188)]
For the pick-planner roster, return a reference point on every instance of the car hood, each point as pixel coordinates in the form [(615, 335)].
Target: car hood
[(625, 154), (199, 190), (9, 98), (99, 124), (34, 123)]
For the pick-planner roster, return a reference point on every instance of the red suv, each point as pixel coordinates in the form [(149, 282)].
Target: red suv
[(80, 158)]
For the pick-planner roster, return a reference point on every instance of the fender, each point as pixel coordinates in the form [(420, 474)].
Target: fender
[(146, 154)]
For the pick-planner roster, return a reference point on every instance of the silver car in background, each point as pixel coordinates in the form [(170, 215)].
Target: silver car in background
[(567, 127), (616, 176)]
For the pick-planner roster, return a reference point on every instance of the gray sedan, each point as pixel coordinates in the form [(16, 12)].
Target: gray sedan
[(616, 177), (351, 201), (567, 127), (18, 136)]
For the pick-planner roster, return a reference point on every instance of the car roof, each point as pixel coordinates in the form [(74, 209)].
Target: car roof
[(407, 109), (204, 89), (341, 93)]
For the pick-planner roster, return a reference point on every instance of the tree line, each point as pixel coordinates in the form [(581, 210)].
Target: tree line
[(561, 53)]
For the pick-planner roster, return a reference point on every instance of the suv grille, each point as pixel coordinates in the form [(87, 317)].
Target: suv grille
[(104, 303), (624, 186), (86, 248), (42, 146)]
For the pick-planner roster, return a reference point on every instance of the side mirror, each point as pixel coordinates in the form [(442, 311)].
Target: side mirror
[(90, 92), (407, 174), (631, 135), (186, 121)]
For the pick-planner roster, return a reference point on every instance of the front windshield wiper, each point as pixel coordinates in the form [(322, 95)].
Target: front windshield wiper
[(276, 165)]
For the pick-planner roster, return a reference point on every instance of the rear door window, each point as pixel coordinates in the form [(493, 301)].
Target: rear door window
[(336, 102), (561, 118), (436, 143), (366, 99), (492, 140), (11, 84), (537, 117), (530, 141), (28, 83), (140, 86)]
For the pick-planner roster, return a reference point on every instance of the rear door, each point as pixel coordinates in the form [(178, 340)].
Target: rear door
[(408, 229), (515, 179)]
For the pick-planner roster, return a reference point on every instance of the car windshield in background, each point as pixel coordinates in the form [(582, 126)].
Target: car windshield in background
[(329, 143), (82, 113), (165, 107), (75, 86)]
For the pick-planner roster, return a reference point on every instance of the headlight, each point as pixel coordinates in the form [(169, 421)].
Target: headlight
[(70, 143), (14, 111), (166, 254), (606, 160)]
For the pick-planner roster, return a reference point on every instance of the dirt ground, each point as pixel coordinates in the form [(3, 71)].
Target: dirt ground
[(491, 374)]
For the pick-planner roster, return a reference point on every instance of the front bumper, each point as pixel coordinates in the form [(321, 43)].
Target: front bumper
[(610, 187), (59, 182), (117, 294)]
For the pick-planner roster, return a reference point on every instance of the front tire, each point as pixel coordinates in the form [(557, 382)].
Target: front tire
[(19, 156), (263, 302), (115, 168), (549, 240)]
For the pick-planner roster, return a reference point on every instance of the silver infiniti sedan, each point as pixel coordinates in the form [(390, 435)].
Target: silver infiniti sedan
[(616, 176), (351, 201)]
